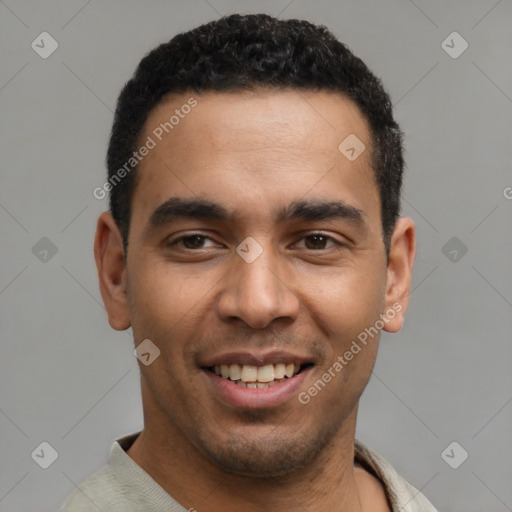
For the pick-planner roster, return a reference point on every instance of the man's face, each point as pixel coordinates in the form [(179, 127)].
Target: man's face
[(308, 281)]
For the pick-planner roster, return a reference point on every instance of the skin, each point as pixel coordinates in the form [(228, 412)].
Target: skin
[(253, 153)]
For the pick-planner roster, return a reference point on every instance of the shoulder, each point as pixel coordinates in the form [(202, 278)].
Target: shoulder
[(371, 491), (101, 491), (401, 494)]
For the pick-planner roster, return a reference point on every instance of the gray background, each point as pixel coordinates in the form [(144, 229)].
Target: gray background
[(68, 379)]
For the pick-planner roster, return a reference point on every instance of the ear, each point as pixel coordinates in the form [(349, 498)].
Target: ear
[(399, 273), (110, 263)]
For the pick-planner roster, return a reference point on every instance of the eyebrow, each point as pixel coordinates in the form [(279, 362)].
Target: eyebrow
[(320, 210), (177, 207)]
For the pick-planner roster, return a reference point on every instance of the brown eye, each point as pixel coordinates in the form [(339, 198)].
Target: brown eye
[(193, 241), (316, 241)]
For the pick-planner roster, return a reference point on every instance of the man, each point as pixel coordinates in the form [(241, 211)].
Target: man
[(255, 248)]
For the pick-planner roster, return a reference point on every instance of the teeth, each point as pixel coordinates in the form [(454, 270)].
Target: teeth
[(290, 368), (266, 373), (224, 370), (235, 372), (279, 371), (248, 375)]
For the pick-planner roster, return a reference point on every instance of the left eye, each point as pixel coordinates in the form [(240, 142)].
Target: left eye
[(196, 241), (318, 241)]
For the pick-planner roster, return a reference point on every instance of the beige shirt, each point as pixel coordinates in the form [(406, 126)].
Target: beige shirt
[(123, 486)]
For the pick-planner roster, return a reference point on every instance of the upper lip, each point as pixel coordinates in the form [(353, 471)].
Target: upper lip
[(254, 358)]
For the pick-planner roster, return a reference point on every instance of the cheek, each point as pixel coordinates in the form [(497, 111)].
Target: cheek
[(346, 301), (164, 302), (165, 308), (347, 307)]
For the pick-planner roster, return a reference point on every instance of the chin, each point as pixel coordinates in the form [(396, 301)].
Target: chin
[(269, 456)]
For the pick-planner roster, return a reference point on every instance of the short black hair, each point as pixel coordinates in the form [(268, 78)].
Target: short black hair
[(245, 52)]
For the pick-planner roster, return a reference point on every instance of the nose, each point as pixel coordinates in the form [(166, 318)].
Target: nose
[(257, 293)]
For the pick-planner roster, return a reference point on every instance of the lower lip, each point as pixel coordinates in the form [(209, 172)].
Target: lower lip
[(250, 398)]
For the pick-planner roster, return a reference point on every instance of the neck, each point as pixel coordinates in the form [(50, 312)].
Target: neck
[(328, 483)]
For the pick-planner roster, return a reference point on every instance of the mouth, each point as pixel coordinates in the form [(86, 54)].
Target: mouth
[(258, 377), (246, 379)]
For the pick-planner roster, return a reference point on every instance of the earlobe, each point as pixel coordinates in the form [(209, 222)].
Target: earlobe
[(110, 264), (399, 273)]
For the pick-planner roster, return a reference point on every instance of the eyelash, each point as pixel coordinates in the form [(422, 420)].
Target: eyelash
[(315, 233)]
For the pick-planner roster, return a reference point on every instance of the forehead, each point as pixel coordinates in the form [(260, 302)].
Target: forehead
[(253, 118), (260, 146)]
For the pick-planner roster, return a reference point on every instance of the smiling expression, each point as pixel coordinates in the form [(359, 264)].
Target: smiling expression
[(255, 258)]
